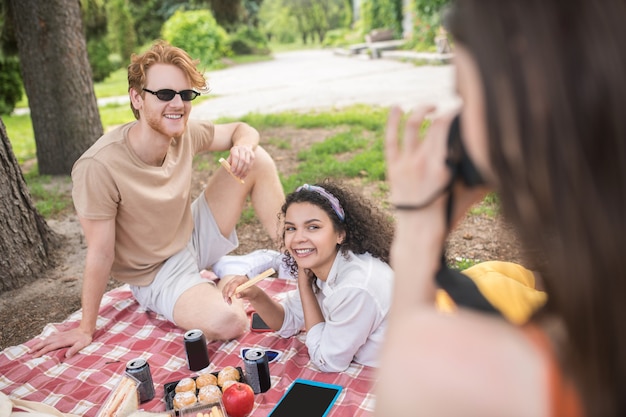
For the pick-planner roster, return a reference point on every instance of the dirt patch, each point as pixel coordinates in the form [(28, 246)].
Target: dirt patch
[(51, 298)]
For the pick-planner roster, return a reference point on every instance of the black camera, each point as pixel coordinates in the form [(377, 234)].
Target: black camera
[(459, 162), (460, 287)]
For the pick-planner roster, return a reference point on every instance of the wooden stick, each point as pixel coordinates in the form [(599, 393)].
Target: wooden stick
[(254, 280), (226, 165)]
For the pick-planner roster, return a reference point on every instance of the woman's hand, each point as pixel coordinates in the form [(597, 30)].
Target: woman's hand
[(416, 168), (229, 286)]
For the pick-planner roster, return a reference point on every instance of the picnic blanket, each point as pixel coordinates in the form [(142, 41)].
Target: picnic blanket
[(125, 331)]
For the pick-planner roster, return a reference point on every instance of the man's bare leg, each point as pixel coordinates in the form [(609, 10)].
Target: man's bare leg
[(203, 307)]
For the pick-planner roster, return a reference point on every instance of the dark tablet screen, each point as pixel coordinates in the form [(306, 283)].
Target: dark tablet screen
[(306, 399)]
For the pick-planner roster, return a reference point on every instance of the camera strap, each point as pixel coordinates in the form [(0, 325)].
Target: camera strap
[(461, 288)]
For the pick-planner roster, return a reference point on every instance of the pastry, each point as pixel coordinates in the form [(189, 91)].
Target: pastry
[(205, 379), (209, 394), (228, 384), (186, 384), (229, 373), (184, 399)]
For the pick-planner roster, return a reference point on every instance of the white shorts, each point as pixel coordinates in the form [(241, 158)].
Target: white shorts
[(182, 270)]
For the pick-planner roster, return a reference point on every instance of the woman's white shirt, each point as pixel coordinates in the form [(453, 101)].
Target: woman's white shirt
[(354, 300)]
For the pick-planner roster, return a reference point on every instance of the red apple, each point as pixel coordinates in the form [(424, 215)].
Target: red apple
[(238, 399)]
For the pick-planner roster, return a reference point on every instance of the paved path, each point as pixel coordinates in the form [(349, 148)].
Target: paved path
[(318, 79)]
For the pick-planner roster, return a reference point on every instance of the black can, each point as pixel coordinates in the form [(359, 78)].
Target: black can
[(257, 370), (140, 370), (195, 347)]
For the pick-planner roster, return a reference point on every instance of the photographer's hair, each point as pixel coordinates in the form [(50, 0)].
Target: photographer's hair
[(555, 93), (161, 52), (366, 226)]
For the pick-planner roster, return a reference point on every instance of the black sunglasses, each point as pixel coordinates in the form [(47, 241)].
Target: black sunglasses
[(167, 94)]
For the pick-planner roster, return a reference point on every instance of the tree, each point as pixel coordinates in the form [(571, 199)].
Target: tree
[(315, 17), (226, 12), (121, 29), (386, 14), (57, 81), (26, 241)]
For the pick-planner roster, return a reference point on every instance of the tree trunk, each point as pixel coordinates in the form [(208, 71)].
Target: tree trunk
[(25, 238), (57, 80), (226, 12)]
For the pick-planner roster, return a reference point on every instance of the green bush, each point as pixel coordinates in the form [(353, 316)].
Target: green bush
[(276, 21), (336, 37), (121, 29), (197, 32), (101, 65), (426, 21), (382, 14), (248, 41), (10, 84)]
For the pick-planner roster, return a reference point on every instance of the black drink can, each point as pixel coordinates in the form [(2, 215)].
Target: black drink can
[(140, 370), (195, 347), (257, 370)]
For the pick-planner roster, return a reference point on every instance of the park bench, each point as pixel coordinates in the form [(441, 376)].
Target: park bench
[(376, 41), (379, 40)]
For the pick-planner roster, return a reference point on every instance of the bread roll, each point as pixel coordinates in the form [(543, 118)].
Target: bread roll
[(186, 384), (205, 379), (209, 394), (184, 399), (228, 384), (229, 373)]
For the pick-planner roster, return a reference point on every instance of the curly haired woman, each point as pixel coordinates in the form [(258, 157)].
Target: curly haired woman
[(337, 244)]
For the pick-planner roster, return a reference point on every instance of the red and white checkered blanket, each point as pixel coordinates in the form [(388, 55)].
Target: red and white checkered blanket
[(125, 331)]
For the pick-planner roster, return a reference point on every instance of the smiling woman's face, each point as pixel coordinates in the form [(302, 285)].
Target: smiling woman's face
[(311, 238), (473, 117)]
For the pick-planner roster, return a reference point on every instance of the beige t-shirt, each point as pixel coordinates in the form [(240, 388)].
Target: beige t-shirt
[(151, 205)]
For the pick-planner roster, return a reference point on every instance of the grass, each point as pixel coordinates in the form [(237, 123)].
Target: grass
[(49, 199), (354, 151), (490, 206), (461, 263), (116, 84), (20, 131), (367, 117)]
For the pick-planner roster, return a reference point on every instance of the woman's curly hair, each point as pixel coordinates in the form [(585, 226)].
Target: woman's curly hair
[(366, 226)]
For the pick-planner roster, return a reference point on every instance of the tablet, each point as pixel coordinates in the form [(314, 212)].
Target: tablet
[(306, 398)]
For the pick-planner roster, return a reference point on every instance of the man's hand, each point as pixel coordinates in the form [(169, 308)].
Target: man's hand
[(241, 159), (76, 339)]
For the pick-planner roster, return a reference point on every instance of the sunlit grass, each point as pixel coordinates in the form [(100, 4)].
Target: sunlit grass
[(368, 117), (49, 199), (20, 132), (353, 149), (461, 263), (116, 84), (490, 206)]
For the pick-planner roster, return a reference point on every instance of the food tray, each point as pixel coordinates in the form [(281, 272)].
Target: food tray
[(170, 386), (203, 409)]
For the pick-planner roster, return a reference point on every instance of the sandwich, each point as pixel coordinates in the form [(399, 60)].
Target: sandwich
[(123, 401)]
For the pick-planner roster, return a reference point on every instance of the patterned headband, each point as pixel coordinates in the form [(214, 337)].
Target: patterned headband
[(334, 202)]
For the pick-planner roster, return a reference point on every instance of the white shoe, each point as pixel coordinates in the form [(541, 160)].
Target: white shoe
[(252, 264)]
